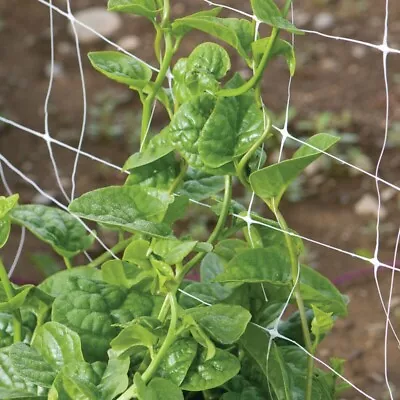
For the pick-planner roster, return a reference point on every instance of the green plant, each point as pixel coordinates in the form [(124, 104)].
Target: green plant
[(135, 327)]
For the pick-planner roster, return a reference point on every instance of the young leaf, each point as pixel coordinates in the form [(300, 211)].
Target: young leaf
[(12, 385), (271, 182), (198, 185), (115, 378), (31, 365), (7, 204), (137, 253), (322, 323), (121, 68), (56, 227), (176, 210), (207, 374), (173, 251), (225, 323), (145, 8), (57, 344), (176, 363), (258, 265), (132, 208), (7, 331), (16, 302), (157, 389), (268, 12), (5, 228), (280, 47)]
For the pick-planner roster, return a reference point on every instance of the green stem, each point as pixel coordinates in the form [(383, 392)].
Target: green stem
[(299, 300), (9, 291), (107, 255), (241, 168), (67, 262), (184, 166), (169, 340), (215, 233)]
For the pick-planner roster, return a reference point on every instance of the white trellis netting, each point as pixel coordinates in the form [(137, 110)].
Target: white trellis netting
[(375, 261)]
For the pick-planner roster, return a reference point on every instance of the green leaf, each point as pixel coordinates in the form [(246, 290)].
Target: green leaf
[(132, 337), (280, 47), (12, 385), (132, 208), (225, 323), (268, 12), (7, 331), (54, 285), (56, 227), (159, 174), (158, 147), (16, 302), (5, 228), (258, 265), (145, 8), (177, 361), (199, 186), (229, 248), (121, 68), (210, 267), (173, 251), (7, 204), (58, 344), (115, 378), (235, 32), (271, 182), (90, 308), (322, 322), (207, 374), (157, 389), (138, 252), (292, 328), (31, 365), (176, 210)]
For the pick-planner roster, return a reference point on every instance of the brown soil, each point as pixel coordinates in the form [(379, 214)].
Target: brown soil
[(332, 76)]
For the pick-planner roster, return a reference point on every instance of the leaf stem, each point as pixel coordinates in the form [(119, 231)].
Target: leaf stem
[(168, 341), (108, 254), (183, 168), (67, 262), (299, 301), (215, 233), (9, 291)]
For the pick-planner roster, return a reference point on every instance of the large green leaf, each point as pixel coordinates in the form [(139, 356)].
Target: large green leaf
[(145, 8), (132, 208), (57, 344), (198, 185), (268, 12), (258, 265), (207, 374), (121, 68), (177, 361), (12, 385), (225, 323), (56, 227), (271, 182), (90, 308), (236, 32)]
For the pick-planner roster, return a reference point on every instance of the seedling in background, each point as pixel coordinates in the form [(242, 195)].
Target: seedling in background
[(135, 327)]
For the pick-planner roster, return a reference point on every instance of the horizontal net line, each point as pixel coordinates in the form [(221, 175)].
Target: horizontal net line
[(72, 18), (59, 143), (54, 200)]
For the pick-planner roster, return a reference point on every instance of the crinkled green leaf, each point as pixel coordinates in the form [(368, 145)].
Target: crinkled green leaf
[(31, 365), (225, 323), (204, 375), (198, 185), (177, 361), (271, 182), (268, 12), (145, 8), (54, 285), (7, 204), (132, 208), (12, 385), (90, 308), (280, 47), (258, 265), (58, 344), (5, 228), (56, 227), (173, 251), (121, 68)]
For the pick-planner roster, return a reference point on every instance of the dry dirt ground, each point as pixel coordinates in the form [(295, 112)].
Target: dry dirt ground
[(332, 76)]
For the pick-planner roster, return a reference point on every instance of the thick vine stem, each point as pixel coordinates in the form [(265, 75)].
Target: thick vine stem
[(299, 300), (9, 291), (108, 254), (168, 341), (215, 233)]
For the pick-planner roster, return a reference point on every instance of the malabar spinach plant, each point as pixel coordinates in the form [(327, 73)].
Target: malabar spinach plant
[(129, 324)]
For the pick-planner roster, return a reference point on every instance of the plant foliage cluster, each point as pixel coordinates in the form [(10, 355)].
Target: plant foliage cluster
[(134, 326)]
